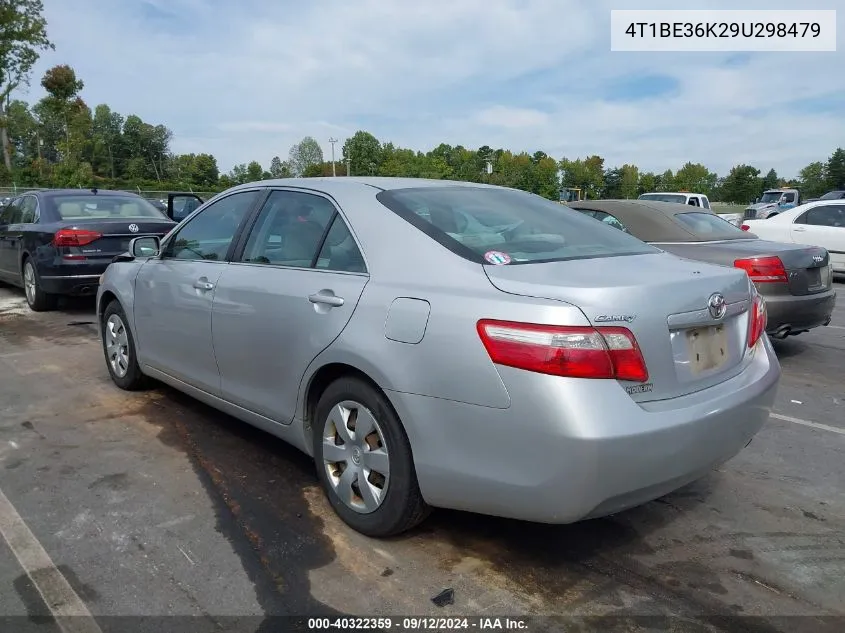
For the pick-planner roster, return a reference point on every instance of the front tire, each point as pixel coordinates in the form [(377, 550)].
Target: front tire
[(119, 349), (364, 460), (38, 300)]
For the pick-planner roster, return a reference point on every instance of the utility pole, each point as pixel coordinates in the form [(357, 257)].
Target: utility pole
[(333, 141), (347, 167)]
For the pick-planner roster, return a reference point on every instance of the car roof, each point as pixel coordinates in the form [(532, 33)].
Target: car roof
[(653, 219), (47, 193), (340, 183)]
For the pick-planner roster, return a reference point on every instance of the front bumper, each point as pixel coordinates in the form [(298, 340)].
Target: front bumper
[(562, 453), (799, 313)]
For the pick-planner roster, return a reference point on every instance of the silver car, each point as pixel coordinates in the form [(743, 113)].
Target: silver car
[(444, 344)]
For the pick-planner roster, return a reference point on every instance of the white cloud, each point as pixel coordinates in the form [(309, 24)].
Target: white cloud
[(245, 80)]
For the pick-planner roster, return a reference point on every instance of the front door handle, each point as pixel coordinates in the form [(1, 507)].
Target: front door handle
[(799, 229), (326, 299), (203, 284)]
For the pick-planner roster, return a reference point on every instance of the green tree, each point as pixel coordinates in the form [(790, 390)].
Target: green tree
[(629, 185), (813, 180), (587, 174), (741, 185), (771, 180), (835, 170), (647, 183), (363, 151), (23, 35), (696, 178), (279, 169), (304, 154), (254, 171)]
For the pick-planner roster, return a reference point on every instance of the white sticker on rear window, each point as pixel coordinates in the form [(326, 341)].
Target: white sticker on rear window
[(497, 258)]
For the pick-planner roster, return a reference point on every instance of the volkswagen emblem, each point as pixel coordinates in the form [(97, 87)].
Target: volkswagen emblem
[(818, 258), (133, 228), (717, 305)]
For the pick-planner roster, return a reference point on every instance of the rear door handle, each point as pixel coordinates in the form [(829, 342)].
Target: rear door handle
[(326, 299), (203, 284)]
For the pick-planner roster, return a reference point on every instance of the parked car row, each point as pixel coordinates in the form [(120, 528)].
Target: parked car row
[(443, 344)]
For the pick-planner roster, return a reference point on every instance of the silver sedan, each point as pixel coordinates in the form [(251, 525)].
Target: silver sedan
[(443, 344)]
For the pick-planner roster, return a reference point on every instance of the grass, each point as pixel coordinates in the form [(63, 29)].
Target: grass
[(719, 207)]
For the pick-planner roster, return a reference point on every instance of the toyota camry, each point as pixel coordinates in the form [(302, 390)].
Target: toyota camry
[(444, 344)]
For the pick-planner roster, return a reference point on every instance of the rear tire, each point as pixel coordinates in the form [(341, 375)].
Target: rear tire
[(119, 350), (36, 298), (368, 499)]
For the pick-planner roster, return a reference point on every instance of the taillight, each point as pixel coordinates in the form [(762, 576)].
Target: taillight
[(75, 237), (745, 227), (763, 269), (757, 320), (576, 352)]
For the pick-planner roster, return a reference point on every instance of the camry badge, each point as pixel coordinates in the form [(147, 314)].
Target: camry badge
[(615, 318), (133, 228), (717, 305)]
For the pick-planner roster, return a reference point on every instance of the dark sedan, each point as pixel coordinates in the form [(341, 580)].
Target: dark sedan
[(59, 242), (796, 280)]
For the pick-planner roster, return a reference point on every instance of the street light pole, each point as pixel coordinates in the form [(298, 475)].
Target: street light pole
[(347, 167), (333, 141)]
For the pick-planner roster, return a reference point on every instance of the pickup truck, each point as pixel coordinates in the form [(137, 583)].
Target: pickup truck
[(773, 202), (681, 197)]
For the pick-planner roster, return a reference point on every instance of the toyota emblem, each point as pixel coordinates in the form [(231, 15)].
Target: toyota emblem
[(133, 228), (717, 305)]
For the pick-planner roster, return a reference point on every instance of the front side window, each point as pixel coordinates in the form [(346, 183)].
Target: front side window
[(209, 235), (289, 230), (832, 215), (789, 197), (708, 225), (693, 202), (103, 205), (12, 213), (491, 225)]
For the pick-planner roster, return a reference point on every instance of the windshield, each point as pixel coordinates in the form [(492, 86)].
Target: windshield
[(771, 196), (833, 195), (664, 197), (103, 205), (502, 226), (709, 225)]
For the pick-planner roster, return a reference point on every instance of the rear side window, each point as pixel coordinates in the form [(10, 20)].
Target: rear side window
[(831, 215), (102, 206), (708, 224), (487, 225), (664, 197)]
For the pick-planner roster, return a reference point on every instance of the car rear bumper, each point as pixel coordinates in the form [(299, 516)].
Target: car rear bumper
[(560, 454), (77, 285), (799, 313)]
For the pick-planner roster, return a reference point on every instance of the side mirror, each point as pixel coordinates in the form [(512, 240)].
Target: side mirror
[(181, 205), (148, 246)]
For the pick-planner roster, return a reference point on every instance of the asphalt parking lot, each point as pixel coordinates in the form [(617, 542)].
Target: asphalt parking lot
[(151, 504)]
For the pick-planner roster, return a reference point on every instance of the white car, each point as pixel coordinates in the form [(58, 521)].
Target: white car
[(819, 223)]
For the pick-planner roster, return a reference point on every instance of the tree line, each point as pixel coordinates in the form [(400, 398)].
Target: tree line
[(60, 141)]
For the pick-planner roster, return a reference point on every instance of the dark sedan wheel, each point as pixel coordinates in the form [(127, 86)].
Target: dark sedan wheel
[(38, 300), (119, 349), (364, 461)]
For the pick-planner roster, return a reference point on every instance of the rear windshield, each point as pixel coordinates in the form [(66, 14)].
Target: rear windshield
[(709, 225), (82, 207), (833, 195), (503, 226), (664, 197)]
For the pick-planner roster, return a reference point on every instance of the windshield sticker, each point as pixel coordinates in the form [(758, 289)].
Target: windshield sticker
[(497, 258)]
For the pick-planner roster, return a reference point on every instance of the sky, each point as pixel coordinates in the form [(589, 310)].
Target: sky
[(246, 79)]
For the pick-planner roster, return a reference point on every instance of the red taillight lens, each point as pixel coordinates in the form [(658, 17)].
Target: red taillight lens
[(763, 269), (575, 352), (745, 227), (75, 237), (757, 320)]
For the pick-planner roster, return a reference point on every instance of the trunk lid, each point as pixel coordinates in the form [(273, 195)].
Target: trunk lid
[(806, 266), (115, 235), (663, 300)]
